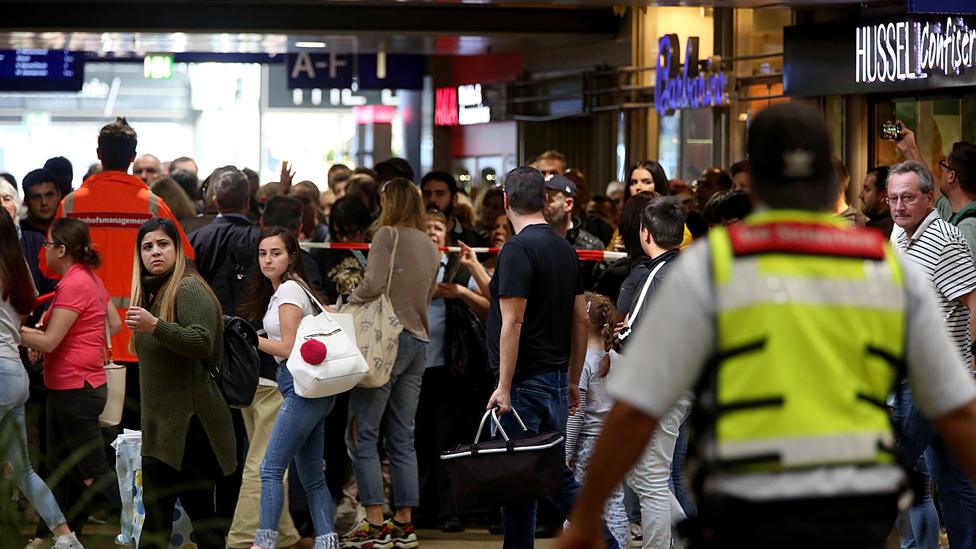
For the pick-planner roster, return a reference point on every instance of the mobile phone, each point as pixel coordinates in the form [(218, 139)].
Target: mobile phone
[(891, 131)]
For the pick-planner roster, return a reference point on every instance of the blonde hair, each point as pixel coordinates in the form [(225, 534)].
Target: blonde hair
[(166, 296), (7, 188), (602, 315), (175, 197), (403, 206)]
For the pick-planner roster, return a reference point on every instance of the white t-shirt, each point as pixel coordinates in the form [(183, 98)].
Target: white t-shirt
[(654, 377), (288, 291), (9, 331)]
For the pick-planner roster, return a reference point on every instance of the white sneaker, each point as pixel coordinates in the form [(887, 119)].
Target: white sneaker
[(67, 541)]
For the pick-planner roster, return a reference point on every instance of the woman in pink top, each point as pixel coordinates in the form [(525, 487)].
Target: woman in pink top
[(72, 342)]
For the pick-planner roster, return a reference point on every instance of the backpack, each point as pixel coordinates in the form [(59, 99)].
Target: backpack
[(237, 375), (957, 219), (232, 278)]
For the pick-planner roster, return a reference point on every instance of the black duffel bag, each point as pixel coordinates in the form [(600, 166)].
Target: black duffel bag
[(505, 471), (237, 375)]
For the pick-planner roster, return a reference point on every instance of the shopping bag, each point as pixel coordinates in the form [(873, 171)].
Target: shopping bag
[(496, 472), (128, 467), (325, 360), (378, 330)]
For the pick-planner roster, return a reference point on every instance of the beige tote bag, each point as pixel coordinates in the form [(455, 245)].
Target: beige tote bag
[(378, 330), (115, 381)]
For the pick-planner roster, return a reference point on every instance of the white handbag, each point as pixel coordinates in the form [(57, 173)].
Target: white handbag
[(334, 369)]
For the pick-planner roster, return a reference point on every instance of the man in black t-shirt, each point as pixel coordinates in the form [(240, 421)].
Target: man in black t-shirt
[(537, 330)]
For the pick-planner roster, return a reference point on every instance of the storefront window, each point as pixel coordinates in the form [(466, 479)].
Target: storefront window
[(937, 123), (686, 143), (668, 144), (758, 32)]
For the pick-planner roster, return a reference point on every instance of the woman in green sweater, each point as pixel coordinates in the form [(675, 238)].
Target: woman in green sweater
[(187, 435)]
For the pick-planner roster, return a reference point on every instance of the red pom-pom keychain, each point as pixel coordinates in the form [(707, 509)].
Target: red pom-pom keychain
[(313, 351)]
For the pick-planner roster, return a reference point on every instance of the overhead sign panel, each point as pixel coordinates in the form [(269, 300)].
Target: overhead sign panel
[(41, 70), (942, 6), (910, 53), (369, 71)]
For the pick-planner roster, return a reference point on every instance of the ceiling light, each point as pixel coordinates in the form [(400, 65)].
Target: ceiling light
[(310, 44)]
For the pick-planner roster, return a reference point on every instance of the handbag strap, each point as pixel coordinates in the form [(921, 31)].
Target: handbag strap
[(389, 276), (640, 300), (310, 296), (108, 341)]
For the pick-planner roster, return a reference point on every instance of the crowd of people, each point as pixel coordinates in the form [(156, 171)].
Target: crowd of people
[(143, 267)]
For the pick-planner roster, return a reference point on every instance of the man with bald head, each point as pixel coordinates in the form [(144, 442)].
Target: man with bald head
[(147, 168)]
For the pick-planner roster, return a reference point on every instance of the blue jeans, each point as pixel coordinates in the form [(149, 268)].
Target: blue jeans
[(679, 485), (299, 434), (957, 497), (394, 405), (13, 443), (542, 401)]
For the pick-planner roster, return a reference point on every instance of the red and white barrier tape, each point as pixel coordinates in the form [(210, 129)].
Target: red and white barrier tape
[(584, 255)]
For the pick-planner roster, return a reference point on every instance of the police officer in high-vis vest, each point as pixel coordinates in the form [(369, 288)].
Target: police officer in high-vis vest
[(793, 330)]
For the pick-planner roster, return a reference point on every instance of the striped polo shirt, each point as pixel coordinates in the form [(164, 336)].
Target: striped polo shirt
[(942, 253)]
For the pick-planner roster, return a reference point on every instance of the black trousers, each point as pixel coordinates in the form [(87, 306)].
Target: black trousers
[(854, 522), (193, 483), (76, 452), (448, 413)]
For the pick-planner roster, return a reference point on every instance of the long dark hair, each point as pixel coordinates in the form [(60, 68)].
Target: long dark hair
[(166, 295), (74, 236), (16, 284), (660, 178), (630, 224), (260, 291)]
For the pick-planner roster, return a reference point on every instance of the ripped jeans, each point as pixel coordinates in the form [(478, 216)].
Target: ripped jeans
[(394, 405), (13, 443), (649, 479)]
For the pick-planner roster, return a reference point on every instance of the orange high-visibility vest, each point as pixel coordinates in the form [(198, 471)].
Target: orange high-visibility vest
[(114, 205)]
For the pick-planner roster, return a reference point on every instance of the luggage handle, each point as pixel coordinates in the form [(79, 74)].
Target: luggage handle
[(494, 416)]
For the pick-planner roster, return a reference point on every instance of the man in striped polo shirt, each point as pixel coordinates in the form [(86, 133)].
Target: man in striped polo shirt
[(941, 252)]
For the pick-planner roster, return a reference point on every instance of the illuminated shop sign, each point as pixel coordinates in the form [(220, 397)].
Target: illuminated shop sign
[(471, 107), (911, 50), (913, 53), (446, 107), (460, 106), (688, 87)]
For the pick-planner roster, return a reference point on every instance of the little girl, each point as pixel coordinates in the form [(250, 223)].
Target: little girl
[(583, 428)]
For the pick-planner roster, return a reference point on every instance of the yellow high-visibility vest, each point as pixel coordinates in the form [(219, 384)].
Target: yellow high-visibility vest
[(811, 341)]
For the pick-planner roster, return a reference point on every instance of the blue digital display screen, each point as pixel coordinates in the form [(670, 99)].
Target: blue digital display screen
[(41, 70)]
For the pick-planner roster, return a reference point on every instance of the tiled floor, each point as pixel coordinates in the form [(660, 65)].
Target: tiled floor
[(101, 537)]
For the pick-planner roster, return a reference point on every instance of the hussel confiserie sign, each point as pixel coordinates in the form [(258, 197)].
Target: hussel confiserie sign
[(905, 54), (911, 50)]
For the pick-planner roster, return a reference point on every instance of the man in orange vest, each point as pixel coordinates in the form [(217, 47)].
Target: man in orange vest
[(115, 204)]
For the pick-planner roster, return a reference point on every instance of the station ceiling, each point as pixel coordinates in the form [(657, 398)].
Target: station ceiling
[(136, 27)]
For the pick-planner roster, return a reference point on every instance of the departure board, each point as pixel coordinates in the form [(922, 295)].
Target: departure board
[(41, 70)]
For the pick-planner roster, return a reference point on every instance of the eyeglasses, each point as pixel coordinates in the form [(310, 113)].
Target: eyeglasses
[(945, 167), (46, 243), (907, 199)]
